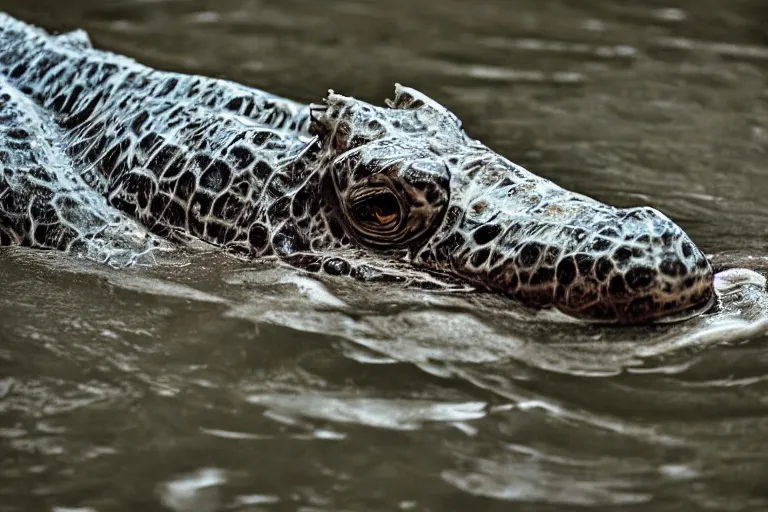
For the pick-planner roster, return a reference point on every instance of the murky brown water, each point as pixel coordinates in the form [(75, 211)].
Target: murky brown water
[(216, 385)]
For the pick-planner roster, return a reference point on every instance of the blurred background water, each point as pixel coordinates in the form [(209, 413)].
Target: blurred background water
[(218, 385)]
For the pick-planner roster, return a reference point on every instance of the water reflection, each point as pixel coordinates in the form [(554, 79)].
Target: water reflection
[(499, 405)]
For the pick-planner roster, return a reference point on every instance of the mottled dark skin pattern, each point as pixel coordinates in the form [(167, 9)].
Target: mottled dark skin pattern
[(259, 175)]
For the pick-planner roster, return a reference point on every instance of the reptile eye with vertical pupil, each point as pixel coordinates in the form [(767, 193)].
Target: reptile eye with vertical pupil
[(378, 211)]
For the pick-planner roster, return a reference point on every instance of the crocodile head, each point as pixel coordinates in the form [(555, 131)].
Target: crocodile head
[(408, 182)]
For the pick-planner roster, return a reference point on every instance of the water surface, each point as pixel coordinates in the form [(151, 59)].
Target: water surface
[(207, 383)]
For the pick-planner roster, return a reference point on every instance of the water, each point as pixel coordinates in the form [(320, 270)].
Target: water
[(207, 383)]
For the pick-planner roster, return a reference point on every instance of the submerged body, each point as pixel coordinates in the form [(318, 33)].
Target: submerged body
[(263, 176)]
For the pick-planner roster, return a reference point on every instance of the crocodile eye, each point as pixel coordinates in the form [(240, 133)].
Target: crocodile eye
[(379, 212)]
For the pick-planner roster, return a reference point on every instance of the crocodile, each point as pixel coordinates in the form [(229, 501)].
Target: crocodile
[(106, 156)]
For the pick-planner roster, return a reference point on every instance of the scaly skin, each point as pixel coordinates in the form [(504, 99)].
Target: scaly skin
[(264, 176), (44, 203)]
